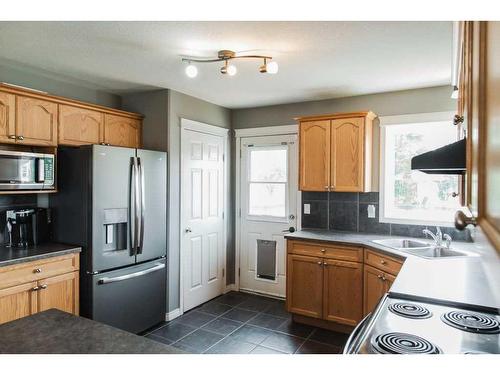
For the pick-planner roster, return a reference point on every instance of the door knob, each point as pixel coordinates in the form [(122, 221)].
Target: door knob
[(188, 230), (20, 137), (44, 286), (37, 270), (462, 220), (12, 137)]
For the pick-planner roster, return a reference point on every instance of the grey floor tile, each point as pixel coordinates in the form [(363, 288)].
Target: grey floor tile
[(186, 348), (267, 321), (195, 319), (295, 329), (201, 340), (313, 347), (231, 346), (222, 326), (329, 337), (174, 331), (232, 298), (278, 308), (240, 315), (254, 335), (256, 304), (214, 308), (161, 339), (282, 342), (263, 350)]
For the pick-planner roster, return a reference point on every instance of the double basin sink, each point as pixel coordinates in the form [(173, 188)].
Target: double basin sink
[(420, 248)]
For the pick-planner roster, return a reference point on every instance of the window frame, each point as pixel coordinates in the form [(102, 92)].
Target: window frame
[(386, 122)]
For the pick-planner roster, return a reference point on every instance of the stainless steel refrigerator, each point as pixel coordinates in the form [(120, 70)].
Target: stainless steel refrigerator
[(111, 201)]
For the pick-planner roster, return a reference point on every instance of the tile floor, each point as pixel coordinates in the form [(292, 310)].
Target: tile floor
[(240, 323)]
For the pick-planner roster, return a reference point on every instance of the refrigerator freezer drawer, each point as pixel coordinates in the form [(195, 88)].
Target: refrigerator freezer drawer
[(132, 298)]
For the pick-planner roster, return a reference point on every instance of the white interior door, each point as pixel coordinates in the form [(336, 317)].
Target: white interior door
[(268, 209), (202, 223)]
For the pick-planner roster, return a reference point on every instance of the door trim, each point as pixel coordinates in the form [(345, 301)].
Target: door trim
[(240, 134), (200, 127)]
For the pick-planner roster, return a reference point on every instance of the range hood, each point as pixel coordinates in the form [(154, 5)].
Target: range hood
[(449, 159)]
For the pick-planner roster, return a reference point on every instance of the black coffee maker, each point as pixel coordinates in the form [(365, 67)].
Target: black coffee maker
[(27, 227)]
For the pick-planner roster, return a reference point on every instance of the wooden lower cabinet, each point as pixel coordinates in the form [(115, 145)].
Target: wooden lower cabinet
[(27, 288), (342, 293), (305, 285), (376, 284), (59, 292), (17, 302)]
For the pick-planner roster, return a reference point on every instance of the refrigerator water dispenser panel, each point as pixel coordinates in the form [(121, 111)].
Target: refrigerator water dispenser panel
[(115, 229)]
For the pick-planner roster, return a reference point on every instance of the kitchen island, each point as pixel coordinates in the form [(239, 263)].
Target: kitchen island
[(57, 332)]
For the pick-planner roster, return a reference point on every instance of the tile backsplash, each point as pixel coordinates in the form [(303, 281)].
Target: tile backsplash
[(349, 212)]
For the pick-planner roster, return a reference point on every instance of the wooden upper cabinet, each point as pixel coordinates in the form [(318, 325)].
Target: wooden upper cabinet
[(305, 285), (59, 292), (347, 151), (122, 131), (7, 118), (36, 121), (79, 126), (343, 292), (336, 152), (314, 155)]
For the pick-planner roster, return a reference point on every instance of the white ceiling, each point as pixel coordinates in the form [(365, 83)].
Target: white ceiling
[(317, 60)]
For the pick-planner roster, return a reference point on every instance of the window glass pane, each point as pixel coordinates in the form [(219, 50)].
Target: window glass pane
[(268, 165), (415, 195), (267, 199)]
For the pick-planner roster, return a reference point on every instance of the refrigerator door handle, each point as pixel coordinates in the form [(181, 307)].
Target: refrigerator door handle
[(109, 280), (142, 204), (133, 207)]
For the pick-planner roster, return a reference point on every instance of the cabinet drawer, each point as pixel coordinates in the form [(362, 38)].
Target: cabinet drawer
[(349, 253), (36, 270), (383, 262)]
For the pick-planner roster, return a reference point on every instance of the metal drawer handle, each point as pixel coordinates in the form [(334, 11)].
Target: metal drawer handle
[(37, 270), (323, 250), (383, 262), (108, 280)]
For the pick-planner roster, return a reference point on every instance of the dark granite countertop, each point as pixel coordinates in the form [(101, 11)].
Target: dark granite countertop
[(472, 281), (57, 332), (9, 255)]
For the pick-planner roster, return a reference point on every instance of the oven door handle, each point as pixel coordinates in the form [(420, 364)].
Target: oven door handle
[(354, 335)]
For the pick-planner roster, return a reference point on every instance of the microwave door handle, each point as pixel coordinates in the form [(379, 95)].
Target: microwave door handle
[(142, 205), (40, 170)]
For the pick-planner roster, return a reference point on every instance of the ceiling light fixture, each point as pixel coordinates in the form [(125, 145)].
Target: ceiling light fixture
[(191, 71), (229, 69)]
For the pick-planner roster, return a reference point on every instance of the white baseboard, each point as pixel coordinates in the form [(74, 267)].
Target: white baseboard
[(173, 314), (230, 288)]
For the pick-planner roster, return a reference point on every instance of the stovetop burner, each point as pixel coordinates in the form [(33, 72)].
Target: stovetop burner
[(403, 343), (409, 310), (471, 322)]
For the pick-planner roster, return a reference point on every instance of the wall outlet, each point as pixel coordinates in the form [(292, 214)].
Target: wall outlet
[(307, 209), (371, 211)]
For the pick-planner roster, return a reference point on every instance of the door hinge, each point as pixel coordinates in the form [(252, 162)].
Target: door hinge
[(223, 157), (239, 272), (223, 215), (223, 272), (239, 213)]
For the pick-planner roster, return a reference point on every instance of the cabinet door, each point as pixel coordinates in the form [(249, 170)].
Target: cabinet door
[(347, 154), (59, 292), (305, 285), (122, 131), (343, 292), (79, 126), (17, 302), (7, 118), (36, 122), (388, 281), (314, 165), (374, 288)]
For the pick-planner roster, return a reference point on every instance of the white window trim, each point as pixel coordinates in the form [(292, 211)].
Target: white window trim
[(399, 120)]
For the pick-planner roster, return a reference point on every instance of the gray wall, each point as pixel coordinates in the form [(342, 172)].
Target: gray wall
[(433, 99), (185, 106), (56, 85)]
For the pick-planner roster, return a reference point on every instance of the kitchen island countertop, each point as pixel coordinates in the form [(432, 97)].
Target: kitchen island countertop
[(57, 332)]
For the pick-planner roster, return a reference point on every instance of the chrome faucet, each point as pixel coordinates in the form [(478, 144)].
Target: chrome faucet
[(439, 237)]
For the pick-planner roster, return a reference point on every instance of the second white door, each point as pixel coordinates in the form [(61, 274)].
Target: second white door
[(202, 237), (268, 204)]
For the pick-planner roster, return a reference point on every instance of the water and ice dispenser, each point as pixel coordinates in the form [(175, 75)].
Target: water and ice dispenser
[(115, 229)]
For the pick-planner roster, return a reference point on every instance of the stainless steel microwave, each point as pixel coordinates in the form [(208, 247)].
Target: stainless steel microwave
[(26, 171)]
